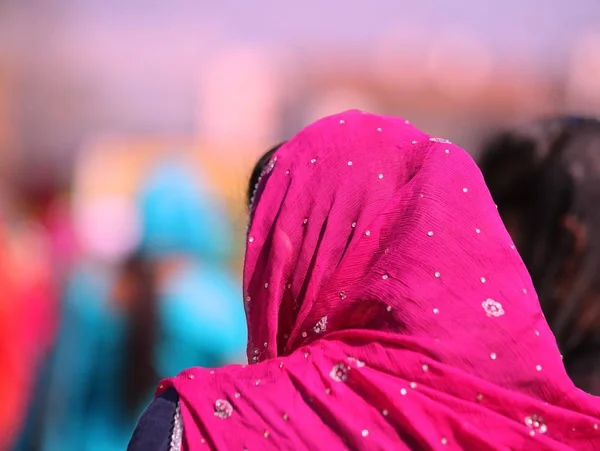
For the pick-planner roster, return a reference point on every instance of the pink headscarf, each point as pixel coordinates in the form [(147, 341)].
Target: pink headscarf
[(387, 309)]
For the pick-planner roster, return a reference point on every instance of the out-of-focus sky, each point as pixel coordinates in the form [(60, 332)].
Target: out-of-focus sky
[(82, 67)]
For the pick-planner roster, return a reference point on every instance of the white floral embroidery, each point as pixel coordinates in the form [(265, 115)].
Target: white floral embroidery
[(339, 372), (223, 409), (439, 140), (321, 325), (492, 308), (358, 363), (536, 424)]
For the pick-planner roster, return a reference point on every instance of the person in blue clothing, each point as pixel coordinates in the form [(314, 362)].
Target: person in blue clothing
[(171, 305)]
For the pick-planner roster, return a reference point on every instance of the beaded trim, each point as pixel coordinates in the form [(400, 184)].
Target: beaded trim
[(266, 171), (177, 432)]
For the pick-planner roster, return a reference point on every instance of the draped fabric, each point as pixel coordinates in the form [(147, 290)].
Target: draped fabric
[(387, 308)]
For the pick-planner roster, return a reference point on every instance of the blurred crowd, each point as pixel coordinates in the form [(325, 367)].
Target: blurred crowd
[(85, 338)]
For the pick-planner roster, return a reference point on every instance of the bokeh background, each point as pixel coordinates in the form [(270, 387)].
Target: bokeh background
[(96, 95)]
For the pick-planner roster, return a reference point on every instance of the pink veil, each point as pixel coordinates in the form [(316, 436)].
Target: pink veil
[(387, 309)]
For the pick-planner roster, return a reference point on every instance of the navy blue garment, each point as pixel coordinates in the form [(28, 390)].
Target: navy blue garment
[(153, 432)]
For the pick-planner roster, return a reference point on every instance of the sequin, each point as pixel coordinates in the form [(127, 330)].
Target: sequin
[(483, 280), (285, 417), (444, 441), (430, 233), (479, 397), (384, 413), (379, 129), (339, 372), (465, 190), (536, 424), (385, 277), (286, 336), (353, 224), (237, 395), (304, 335), (493, 356), (365, 432), (436, 311), (280, 364), (251, 239), (492, 308), (342, 295), (265, 344), (477, 230), (266, 434), (191, 376), (595, 426), (328, 391), (537, 333), (223, 409), (380, 176), (524, 290), (440, 140), (248, 298), (350, 163), (289, 286), (211, 372), (313, 161), (407, 122), (425, 367), (447, 151), (437, 274), (342, 121), (538, 367), (305, 221), (368, 233), (257, 382), (413, 385), (403, 391), (321, 325), (256, 351), (267, 285)]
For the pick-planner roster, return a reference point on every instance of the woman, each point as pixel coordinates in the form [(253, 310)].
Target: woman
[(387, 309), (171, 305), (545, 179)]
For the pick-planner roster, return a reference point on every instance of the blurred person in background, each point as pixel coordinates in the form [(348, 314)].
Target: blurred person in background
[(27, 319), (171, 305), (545, 178), (387, 309)]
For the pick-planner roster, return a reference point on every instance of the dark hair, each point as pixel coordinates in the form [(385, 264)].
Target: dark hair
[(258, 169), (141, 305), (530, 176)]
